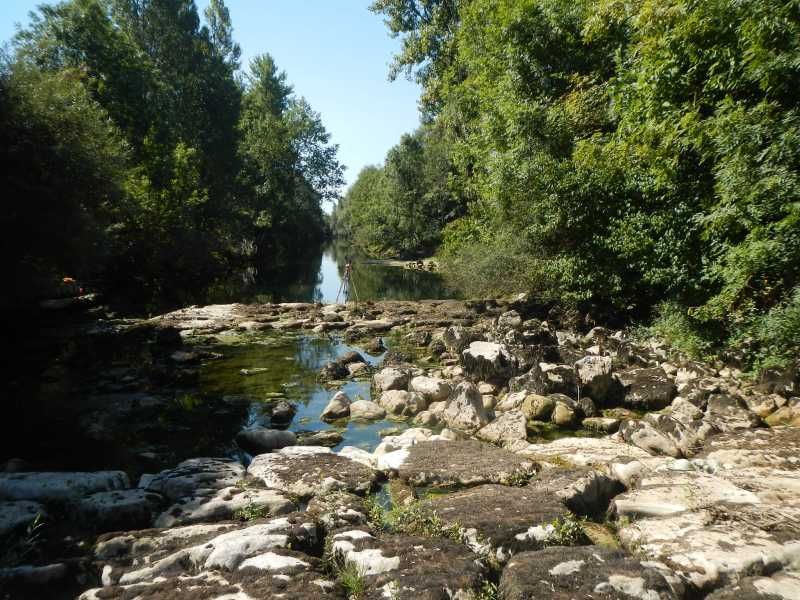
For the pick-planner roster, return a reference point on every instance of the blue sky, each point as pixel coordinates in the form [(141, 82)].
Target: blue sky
[(335, 52)]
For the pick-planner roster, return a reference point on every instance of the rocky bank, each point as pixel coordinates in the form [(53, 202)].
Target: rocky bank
[(538, 462)]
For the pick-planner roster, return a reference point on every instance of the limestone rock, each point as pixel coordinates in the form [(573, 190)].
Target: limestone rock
[(337, 408), (457, 338), (512, 401), (565, 573), (432, 389), (729, 413), (538, 408), (508, 426), (584, 451), (192, 475), (366, 410), (306, 471), (647, 389), (391, 378), (564, 412), (465, 411), (461, 463), (402, 403), (547, 378), (601, 424), (594, 377), (117, 510), (337, 510), (17, 515), (326, 437), (208, 506), (500, 520), (59, 486), (488, 361), (646, 437), (407, 567)]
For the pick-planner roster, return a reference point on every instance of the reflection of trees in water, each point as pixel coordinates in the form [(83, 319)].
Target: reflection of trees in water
[(377, 282), (313, 353)]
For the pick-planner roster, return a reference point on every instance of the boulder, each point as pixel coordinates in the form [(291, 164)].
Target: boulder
[(258, 440), (511, 402), (432, 389), (59, 486), (547, 378), (729, 413), (536, 407), (647, 389), (456, 338), (507, 427), (338, 509), (565, 412), (306, 471), (461, 463), (688, 436), (783, 585), (583, 451), (565, 573), (327, 437), (601, 424), (281, 412), (465, 411), (488, 361), (337, 408), (648, 438), (593, 375), (391, 378), (402, 403), (366, 410)]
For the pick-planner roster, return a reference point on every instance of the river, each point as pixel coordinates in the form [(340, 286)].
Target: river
[(318, 278)]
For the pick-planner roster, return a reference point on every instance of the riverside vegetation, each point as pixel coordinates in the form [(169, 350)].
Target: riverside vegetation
[(635, 159)]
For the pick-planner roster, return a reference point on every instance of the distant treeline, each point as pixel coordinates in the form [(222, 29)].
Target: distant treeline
[(636, 156), (137, 158)]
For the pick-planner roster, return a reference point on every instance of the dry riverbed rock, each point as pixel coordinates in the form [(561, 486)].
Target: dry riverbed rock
[(566, 573), (408, 567), (461, 463), (307, 471)]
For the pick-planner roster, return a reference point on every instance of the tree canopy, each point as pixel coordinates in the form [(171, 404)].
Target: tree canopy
[(152, 166)]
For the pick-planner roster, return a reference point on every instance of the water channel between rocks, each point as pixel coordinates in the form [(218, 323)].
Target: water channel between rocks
[(292, 363)]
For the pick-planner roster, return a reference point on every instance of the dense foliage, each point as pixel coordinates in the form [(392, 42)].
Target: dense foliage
[(626, 155), (138, 159), (400, 208)]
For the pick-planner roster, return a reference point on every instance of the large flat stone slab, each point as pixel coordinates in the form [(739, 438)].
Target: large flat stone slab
[(141, 557), (568, 573), (307, 471), (583, 451), (193, 475), (406, 567), (461, 463), (57, 486), (500, 520)]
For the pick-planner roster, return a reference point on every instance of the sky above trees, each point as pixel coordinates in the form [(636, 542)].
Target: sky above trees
[(336, 54)]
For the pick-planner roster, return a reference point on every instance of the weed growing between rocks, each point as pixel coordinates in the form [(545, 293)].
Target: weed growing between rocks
[(488, 591), (351, 576), (251, 512), (567, 531), (417, 518), (519, 478), (16, 548)]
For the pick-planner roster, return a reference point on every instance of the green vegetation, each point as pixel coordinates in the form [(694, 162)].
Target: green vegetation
[(251, 511), (138, 160), (416, 518), (16, 548), (567, 531), (639, 158), (351, 577)]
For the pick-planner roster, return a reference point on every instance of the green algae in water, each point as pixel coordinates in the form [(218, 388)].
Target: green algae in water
[(291, 364)]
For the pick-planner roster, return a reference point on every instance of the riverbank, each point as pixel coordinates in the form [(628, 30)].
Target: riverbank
[(393, 449)]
